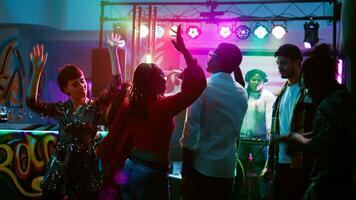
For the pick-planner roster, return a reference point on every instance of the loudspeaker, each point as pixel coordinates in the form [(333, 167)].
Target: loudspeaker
[(101, 74)]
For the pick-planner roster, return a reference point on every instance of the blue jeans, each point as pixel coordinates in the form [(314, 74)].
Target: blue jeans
[(143, 182)]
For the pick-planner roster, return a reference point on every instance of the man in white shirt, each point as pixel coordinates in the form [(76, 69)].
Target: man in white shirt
[(292, 112), (214, 121)]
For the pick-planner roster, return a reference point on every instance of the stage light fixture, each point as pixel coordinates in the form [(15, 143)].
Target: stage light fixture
[(148, 58), (243, 32), (311, 37), (307, 45), (193, 32), (225, 32), (260, 31), (173, 31), (278, 31), (159, 32), (143, 31), (340, 69)]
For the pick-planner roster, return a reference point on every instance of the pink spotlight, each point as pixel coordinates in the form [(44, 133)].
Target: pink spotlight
[(193, 32), (225, 32)]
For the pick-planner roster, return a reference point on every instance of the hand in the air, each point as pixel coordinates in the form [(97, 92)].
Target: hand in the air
[(115, 41), (179, 42), (38, 58)]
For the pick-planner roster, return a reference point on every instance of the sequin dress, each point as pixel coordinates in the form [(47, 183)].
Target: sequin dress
[(73, 167)]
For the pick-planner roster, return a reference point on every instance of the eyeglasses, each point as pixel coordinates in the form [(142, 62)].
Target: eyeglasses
[(213, 55)]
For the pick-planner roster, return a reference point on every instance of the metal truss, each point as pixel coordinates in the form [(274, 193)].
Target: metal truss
[(215, 11), (211, 12)]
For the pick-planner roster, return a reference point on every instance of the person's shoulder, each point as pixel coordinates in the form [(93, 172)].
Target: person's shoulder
[(62, 104), (340, 98), (281, 90), (267, 93), (339, 101)]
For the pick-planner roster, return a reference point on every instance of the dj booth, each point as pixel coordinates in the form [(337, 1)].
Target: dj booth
[(252, 153)]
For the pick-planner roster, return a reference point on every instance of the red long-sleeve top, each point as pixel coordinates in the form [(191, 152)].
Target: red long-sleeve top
[(153, 133)]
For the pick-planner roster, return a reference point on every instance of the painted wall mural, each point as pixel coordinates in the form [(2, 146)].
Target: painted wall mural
[(23, 157), (11, 80)]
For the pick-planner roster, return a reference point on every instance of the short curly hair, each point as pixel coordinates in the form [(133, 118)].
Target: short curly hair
[(68, 72)]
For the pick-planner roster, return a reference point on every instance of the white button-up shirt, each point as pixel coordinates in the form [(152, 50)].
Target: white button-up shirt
[(214, 124)]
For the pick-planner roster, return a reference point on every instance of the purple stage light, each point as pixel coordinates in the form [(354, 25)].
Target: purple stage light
[(243, 32)]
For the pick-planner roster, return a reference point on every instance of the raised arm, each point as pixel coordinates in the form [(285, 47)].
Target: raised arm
[(194, 82), (180, 46), (114, 43), (38, 60), (111, 91)]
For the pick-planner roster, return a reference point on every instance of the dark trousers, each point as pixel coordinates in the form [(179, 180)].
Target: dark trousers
[(206, 187), (289, 183)]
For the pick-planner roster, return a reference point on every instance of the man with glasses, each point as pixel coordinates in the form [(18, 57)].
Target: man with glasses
[(212, 130)]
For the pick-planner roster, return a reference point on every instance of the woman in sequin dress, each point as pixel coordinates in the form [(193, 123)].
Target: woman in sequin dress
[(72, 170)]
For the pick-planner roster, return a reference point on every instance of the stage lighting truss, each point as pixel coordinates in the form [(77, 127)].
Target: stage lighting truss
[(279, 31), (311, 37), (193, 32), (260, 31), (243, 32)]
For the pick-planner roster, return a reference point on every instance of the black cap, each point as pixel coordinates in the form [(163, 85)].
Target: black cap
[(290, 51), (230, 54)]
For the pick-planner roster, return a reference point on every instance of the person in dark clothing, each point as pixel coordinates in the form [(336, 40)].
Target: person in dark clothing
[(333, 139)]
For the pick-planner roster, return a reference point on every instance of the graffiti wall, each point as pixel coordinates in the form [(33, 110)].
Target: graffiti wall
[(23, 156), (11, 80)]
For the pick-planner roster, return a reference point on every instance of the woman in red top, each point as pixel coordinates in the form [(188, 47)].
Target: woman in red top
[(147, 120)]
